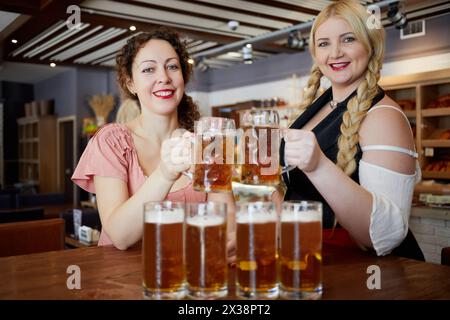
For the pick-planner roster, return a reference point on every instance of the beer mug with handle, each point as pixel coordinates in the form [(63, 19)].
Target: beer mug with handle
[(206, 250), (163, 250), (213, 154), (259, 147), (301, 250), (256, 250)]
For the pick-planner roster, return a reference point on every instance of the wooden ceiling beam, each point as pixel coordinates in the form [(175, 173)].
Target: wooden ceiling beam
[(67, 63), (193, 14), (258, 14), (69, 39), (287, 6), (107, 21), (56, 10), (49, 15), (96, 19), (100, 46)]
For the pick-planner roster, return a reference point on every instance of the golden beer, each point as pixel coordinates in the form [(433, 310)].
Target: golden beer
[(163, 255), (213, 170), (256, 253), (261, 160), (206, 256), (301, 254)]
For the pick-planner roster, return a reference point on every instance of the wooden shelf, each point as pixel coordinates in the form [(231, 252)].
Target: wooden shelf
[(437, 112), (30, 182), (37, 151), (35, 161), (28, 140), (30, 120), (436, 143), (410, 113), (435, 188), (435, 175)]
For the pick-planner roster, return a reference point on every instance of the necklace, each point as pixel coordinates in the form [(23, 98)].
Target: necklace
[(333, 104)]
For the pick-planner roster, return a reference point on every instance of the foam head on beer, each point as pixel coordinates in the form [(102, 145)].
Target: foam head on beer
[(302, 216), (206, 214), (257, 212), (166, 216), (205, 221)]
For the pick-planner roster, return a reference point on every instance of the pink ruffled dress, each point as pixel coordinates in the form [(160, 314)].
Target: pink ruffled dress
[(111, 153)]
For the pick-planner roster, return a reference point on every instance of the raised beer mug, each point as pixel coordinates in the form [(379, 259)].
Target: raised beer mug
[(259, 145), (214, 140), (206, 250), (163, 251), (256, 250), (301, 250)]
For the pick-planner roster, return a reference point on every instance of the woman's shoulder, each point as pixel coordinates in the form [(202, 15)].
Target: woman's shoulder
[(386, 110), (387, 101), (115, 135), (112, 129), (385, 121)]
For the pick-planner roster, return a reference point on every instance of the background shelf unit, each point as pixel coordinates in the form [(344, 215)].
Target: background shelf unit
[(37, 152), (431, 119)]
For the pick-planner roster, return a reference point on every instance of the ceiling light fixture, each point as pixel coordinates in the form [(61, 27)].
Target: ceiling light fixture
[(202, 66), (397, 17), (247, 53), (296, 41), (14, 41), (190, 61), (52, 64), (132, 28), (233, 25)]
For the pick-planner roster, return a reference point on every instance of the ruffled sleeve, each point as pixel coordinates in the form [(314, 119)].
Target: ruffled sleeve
[(105, 156)]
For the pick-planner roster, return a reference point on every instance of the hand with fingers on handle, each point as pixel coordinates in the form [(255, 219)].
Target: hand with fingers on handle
[(302, 149), (176, 155)]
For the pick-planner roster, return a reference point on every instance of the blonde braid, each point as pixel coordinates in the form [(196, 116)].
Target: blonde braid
[(357, 108), (310, 93)]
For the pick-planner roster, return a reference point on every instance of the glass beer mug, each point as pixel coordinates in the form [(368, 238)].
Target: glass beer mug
[(256, 250), (213, 154), (206, 250), (301, 250), (163, 250), (259, 148)]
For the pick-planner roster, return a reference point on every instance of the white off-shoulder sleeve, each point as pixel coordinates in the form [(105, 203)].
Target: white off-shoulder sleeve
[(392, 194)]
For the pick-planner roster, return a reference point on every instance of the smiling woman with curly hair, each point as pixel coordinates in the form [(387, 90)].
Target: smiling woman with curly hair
[(129, 164), (187, 109)]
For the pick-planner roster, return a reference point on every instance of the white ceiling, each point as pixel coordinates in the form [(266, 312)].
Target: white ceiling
[(28, 72)]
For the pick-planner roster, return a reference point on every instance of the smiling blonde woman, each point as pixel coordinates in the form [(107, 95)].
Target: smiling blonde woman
[(352, 147)]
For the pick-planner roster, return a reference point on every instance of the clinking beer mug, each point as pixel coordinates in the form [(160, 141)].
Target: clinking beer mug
[(259, 145), (213, 154)]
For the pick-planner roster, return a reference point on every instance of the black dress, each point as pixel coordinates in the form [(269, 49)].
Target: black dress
[(327, 132)]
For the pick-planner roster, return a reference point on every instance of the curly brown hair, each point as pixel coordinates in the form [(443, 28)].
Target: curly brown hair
[(187, 109)]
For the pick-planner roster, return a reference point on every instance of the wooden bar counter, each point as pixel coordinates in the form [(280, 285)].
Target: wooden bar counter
[(107, 273)]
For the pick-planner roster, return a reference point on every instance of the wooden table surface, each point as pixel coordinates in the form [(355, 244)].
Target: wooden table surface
[(107, 273)]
